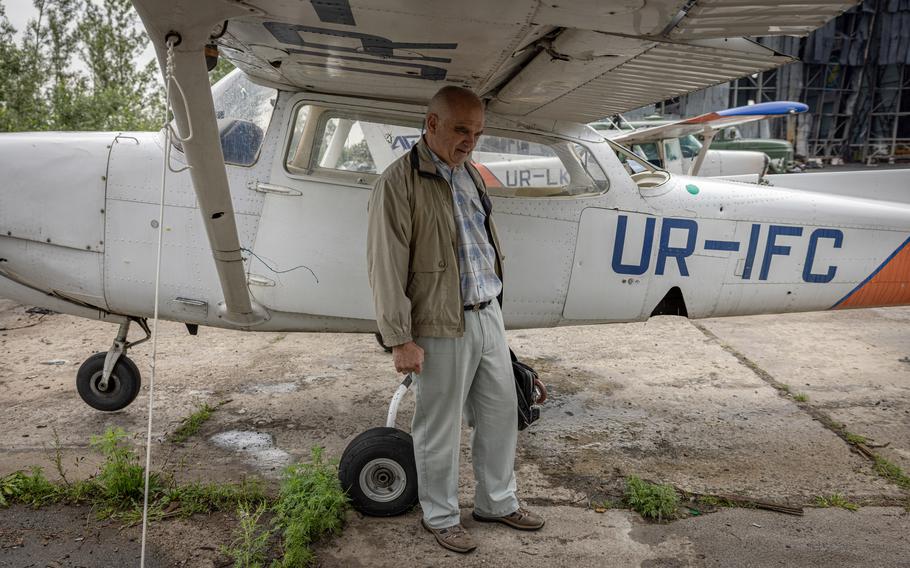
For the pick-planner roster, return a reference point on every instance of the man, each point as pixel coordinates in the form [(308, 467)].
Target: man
[(435, 268)]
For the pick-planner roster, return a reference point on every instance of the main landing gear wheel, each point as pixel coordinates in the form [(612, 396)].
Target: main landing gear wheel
[(110, 381), (378, 472), (122, 386)]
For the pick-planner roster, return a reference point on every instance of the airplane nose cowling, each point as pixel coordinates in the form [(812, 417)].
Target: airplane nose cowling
[(52, 192)]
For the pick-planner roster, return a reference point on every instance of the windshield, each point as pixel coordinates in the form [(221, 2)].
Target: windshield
[(242, 111), (630, 160), (236, 97)]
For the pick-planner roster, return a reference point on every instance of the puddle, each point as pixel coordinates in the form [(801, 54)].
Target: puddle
[(273, 388), (258, 447)]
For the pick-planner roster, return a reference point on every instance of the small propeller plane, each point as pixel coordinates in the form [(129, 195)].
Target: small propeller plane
[(267, 177), (672, 144)]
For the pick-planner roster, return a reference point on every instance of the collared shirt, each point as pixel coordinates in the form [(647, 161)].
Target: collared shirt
[(476, 256)]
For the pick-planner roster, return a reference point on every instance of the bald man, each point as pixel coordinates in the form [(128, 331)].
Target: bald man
[(436, 272)]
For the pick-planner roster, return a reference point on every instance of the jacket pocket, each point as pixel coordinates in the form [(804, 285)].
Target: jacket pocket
[(427, 290)]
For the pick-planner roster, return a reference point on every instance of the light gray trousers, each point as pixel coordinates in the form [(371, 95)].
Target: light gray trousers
[(471, 376)]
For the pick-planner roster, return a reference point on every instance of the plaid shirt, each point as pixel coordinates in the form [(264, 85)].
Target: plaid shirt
[(476, 256)]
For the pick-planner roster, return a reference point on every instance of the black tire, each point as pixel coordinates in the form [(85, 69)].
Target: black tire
[(377, 470), (122, 388)]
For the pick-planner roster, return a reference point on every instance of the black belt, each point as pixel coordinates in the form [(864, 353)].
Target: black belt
[(477, 307)]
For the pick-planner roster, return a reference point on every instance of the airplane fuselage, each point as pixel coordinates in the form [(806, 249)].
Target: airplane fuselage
[(79, 225)]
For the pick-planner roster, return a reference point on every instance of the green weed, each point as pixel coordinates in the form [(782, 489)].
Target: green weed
[(855, 438), (122, 478), (891, 472), (32, 489), (248, 549), (310, 504), (835, 500), (206, 498), (191, 424), (651, 500), (785, 387), (801, 397), (713, 501)]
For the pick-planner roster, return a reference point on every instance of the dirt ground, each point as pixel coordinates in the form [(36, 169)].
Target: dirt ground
[(673, 401)]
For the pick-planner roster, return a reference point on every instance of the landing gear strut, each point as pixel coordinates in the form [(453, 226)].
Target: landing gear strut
[(110, 380), (377, 468)]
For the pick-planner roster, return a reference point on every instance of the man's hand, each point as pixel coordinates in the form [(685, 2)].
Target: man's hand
[(408, 357)]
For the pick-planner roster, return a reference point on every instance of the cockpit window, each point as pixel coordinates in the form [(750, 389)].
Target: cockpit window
[(357, 147), (243, 111), (690, 146), (537, 166)]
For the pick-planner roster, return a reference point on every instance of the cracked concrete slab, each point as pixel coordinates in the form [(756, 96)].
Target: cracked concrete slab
[(853, 364), (663, 401), (660, 399)]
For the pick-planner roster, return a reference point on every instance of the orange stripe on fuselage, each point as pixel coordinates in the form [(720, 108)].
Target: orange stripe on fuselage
[(488, 178), (889, 287)]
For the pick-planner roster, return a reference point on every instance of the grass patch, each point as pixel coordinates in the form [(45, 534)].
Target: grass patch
[(785, 387), (835, 500), (117, 489), (714, 501), (250, 545), (210, 497), (891, 472), (121, 481), (801, 397), (651, 500), (190, 425), (31, 489), (310, 504), (602, 505), (855, 438)]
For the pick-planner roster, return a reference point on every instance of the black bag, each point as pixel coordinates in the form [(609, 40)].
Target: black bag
[(525, 377)]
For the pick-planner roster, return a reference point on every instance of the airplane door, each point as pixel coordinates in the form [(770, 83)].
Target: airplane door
[(311, 244), (610, 272), (312, 249)]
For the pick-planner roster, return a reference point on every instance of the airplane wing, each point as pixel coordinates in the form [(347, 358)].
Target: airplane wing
[(576, 60), (708, 122)]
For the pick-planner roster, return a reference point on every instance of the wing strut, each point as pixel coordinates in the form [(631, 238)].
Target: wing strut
[(709, 136), (195, 112)]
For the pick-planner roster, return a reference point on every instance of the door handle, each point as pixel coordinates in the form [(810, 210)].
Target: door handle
[(276, 189)]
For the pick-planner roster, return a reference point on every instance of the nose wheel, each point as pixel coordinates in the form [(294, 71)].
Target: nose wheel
[(378, 470), (122, 386), (110, 380)]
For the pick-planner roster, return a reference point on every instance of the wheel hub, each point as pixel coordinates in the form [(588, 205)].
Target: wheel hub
[(383, 480), (113, 384)]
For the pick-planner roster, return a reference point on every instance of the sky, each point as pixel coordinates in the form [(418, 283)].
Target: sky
[(18, 12)]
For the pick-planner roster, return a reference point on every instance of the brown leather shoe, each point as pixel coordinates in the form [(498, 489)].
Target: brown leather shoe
[(522, 519), (454, 538)]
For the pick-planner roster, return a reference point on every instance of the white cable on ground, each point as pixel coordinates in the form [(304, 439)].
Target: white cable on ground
[(168, 79)]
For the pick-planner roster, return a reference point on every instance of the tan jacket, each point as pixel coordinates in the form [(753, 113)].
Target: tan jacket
[(412, 257)]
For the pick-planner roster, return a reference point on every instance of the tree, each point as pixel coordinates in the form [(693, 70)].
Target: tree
[(122, 97), (74, 70), (22, 106)]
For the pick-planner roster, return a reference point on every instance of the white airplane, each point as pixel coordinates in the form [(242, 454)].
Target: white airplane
[(264, 212), (672, 144)]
